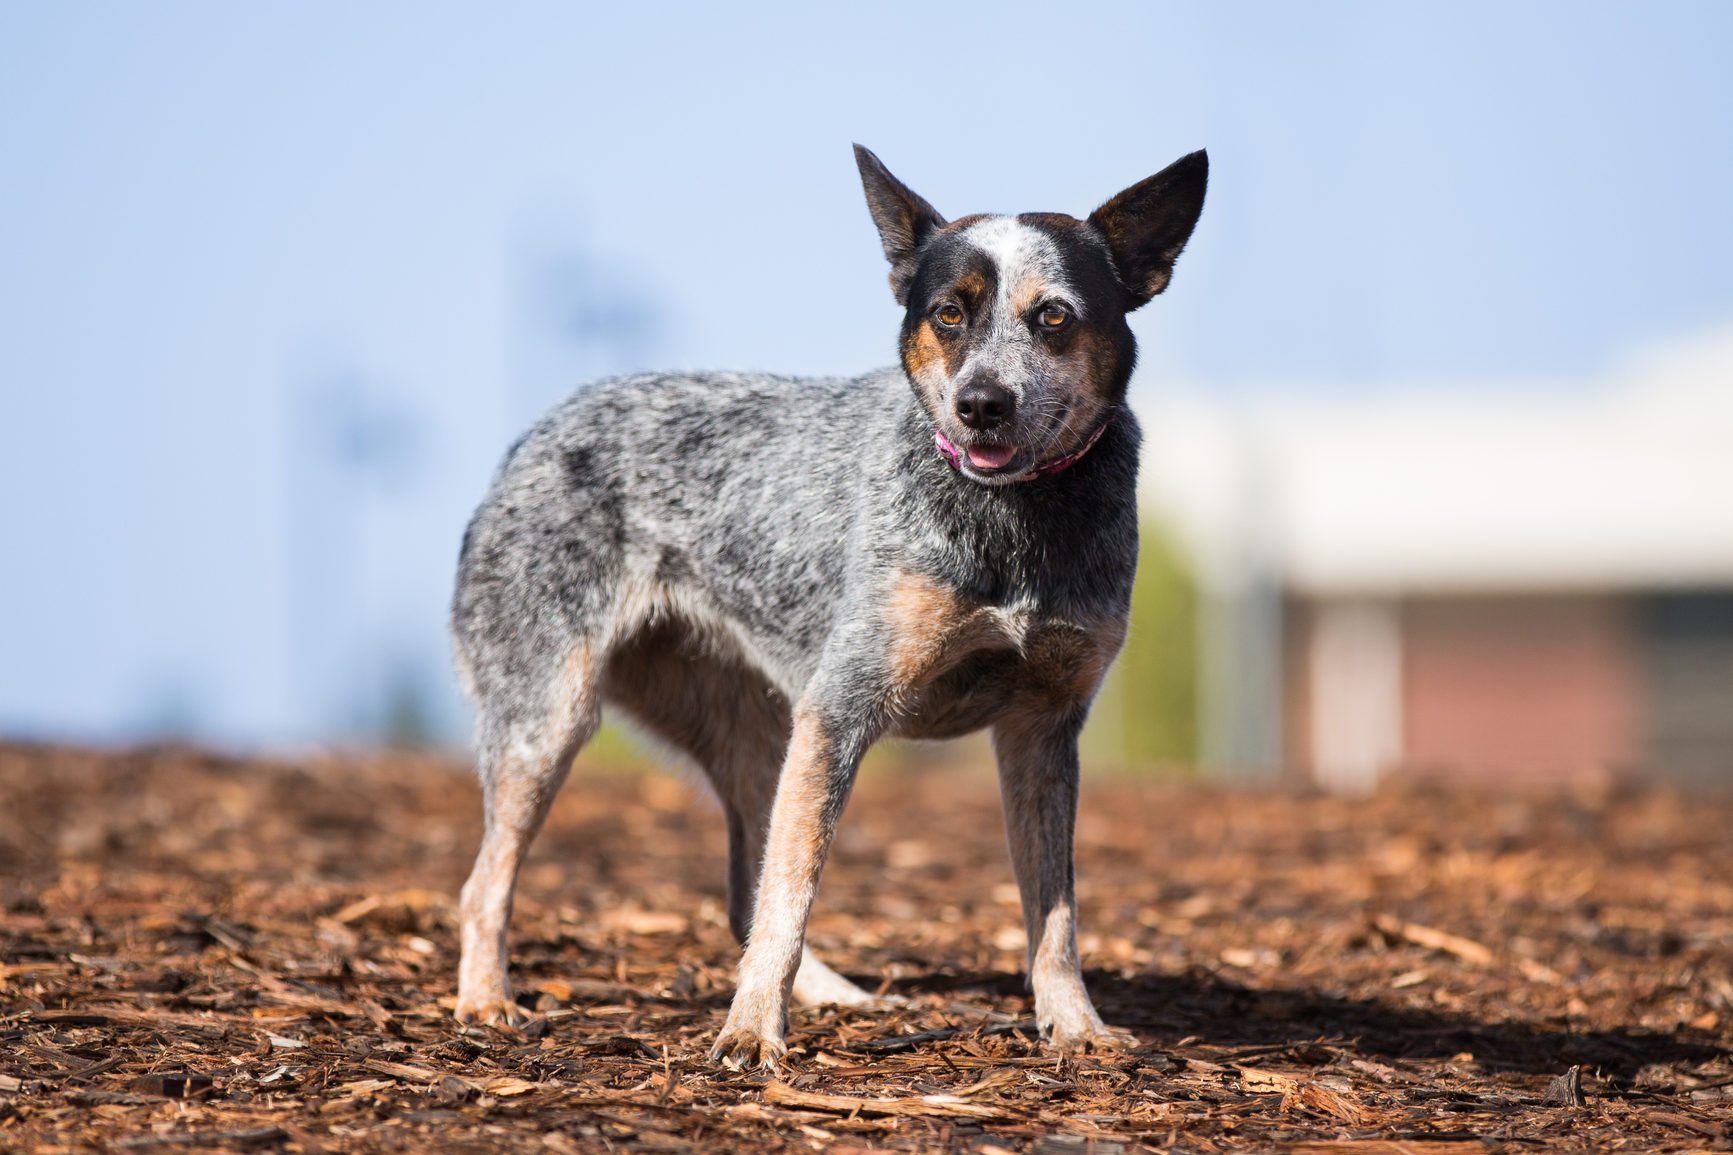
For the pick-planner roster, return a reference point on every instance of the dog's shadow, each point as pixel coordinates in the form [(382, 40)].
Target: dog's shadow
[(1164, 1009)]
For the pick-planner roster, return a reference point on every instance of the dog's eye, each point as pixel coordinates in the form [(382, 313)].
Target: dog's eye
[(949, 315), (1053, 317)]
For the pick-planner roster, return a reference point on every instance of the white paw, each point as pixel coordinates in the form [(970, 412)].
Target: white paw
[(1068, 1022), (491, 1011), (747, 1048), (1089, 1037)]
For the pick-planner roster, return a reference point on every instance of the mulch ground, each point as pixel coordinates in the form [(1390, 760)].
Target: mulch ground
[(214, 954)]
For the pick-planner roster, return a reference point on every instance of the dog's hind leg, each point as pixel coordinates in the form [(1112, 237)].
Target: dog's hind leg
[(525, 755), (736, 726)]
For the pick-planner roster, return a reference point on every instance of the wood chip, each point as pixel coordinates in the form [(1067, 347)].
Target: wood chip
[(506, 1086), (1465, 1145), (404, 1071), (1257, 1079), (945, 1106), (649, 922), (1318, 1097), (1566, 1090), (1466, 949), (249, 1137), (269, 948)]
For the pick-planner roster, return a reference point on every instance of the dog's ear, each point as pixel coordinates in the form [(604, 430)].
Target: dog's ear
[(905, 221), (1148, 224)]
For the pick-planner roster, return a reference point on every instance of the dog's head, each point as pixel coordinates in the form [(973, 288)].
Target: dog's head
[(1015, 336)]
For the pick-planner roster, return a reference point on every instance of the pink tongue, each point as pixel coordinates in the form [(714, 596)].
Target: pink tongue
[(991, 456)]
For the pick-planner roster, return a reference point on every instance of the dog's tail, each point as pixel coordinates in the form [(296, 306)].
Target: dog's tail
[(460, 657)]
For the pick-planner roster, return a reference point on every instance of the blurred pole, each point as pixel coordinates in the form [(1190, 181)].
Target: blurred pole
[(1240, 660), (1353, 665), (341, 447), (323, 559), (1241, 674), (574, 320)]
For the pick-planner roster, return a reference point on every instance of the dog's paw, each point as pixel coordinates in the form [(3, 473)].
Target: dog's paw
[(747, 1048), (496, 1011), (1090, 1037)]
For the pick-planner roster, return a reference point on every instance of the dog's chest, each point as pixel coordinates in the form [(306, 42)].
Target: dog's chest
[(957, 665)]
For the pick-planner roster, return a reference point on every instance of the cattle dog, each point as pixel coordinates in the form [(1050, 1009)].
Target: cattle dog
[(771, 573)]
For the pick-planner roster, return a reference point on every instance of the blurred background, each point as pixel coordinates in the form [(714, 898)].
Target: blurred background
[(1439, 474)]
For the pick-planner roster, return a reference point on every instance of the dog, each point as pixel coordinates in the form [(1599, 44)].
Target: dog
[(771, 573)]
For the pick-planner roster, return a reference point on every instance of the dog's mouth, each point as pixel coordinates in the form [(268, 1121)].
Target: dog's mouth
[(985, 461), (994, 463), (990, 458)]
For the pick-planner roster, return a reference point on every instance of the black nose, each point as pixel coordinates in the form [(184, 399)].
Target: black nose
[(982, 404)]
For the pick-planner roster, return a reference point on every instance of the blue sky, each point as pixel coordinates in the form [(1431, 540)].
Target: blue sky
[(224, 226)]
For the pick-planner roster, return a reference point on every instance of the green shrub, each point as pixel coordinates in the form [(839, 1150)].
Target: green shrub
[(1146, 714)]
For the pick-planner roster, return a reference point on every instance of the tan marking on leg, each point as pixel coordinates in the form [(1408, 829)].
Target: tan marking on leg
[(805, 771), (575, 690), (798, 841), (483, 987), (520, 786)]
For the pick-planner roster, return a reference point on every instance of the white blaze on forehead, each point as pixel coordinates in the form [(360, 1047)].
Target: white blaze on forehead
[(1028, 263)]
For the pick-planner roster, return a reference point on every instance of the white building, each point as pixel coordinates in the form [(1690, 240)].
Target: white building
[(1495, 579)]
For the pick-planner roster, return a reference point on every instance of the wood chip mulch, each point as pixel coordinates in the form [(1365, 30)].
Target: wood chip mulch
[(207, 954)]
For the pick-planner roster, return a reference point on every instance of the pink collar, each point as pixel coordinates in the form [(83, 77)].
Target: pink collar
[(1047, 469)]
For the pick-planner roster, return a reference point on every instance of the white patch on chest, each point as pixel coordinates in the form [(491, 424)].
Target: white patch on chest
[(1015, 622)]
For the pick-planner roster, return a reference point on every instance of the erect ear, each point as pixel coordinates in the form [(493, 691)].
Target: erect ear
[(1148, 224), (905, 221)]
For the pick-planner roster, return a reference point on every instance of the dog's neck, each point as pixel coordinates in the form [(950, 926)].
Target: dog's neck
[(1002, 542)]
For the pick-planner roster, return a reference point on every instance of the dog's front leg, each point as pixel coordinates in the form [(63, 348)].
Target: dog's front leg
[(1038, 776), (817, 774)]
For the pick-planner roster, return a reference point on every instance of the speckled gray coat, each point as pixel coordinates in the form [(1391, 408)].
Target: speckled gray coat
[(771, 573)]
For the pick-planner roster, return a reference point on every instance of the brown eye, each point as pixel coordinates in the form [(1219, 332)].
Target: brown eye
[(1053, 317), (949, 315)]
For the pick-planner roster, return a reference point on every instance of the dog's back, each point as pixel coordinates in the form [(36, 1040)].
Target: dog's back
[(727, 499)]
